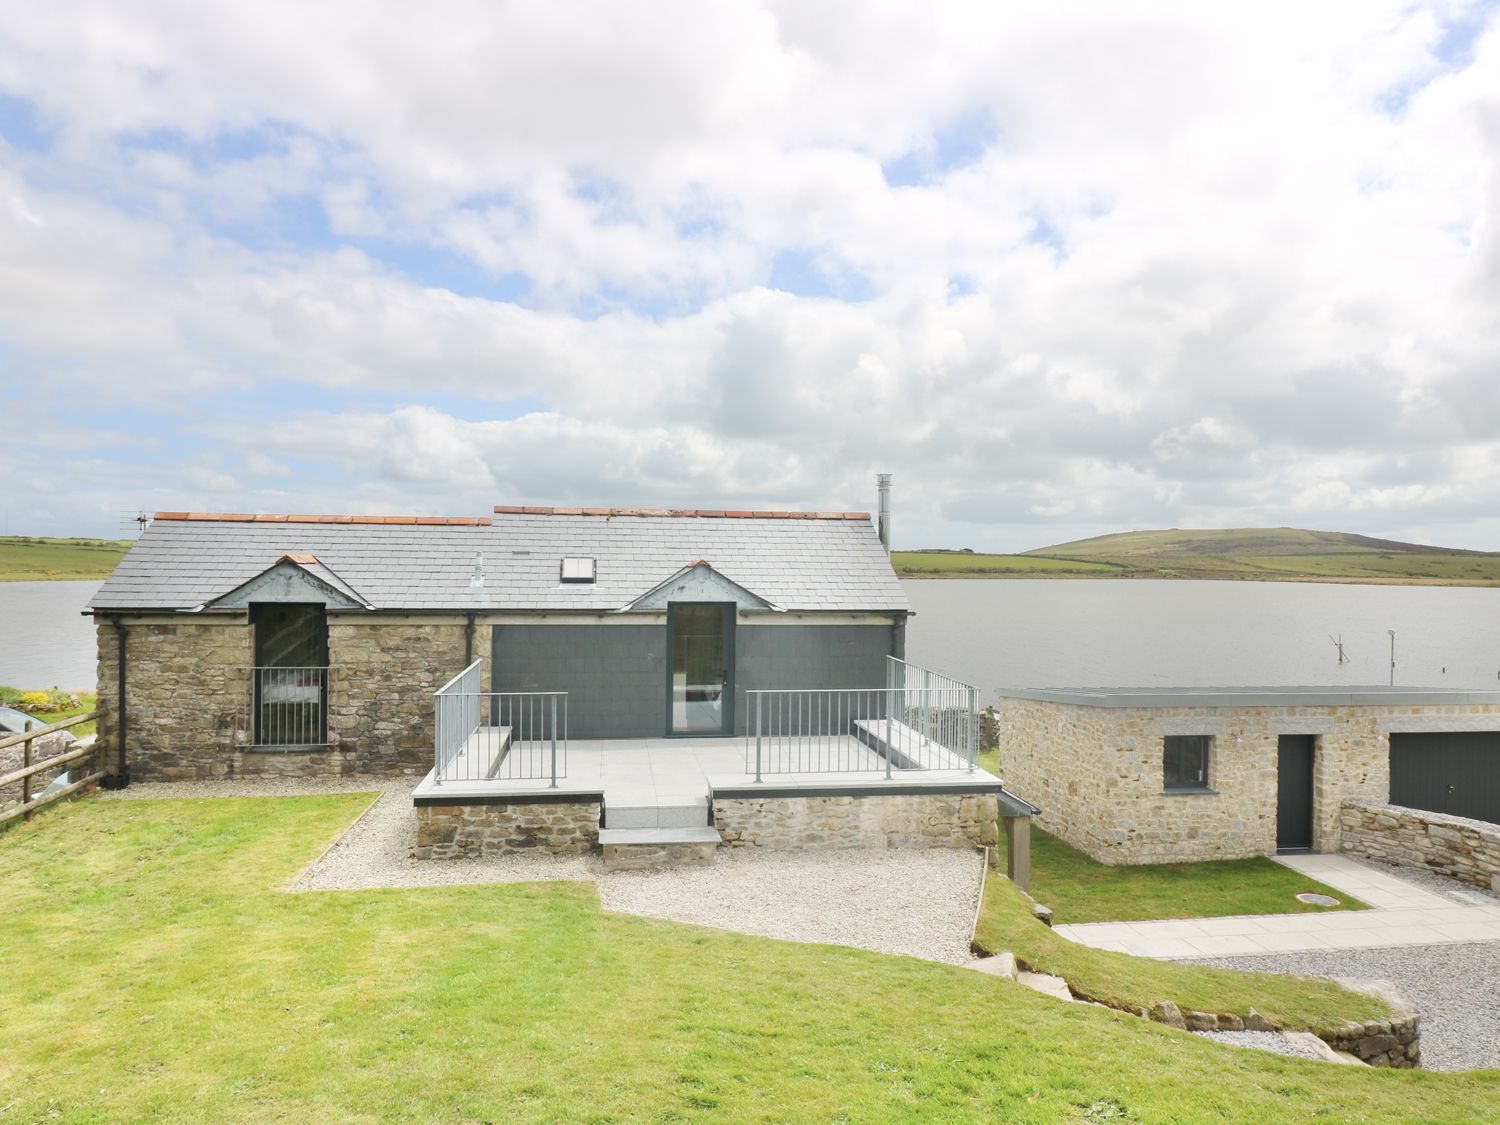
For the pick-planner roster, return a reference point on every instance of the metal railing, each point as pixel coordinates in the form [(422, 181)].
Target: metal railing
[(286, 706), (498, 735), (920, 721), (940, 708)]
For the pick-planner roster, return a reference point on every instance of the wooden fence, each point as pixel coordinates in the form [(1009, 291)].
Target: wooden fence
[(30, 769)]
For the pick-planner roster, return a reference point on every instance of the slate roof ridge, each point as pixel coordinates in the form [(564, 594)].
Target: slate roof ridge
[(699, 513), (262, 517)]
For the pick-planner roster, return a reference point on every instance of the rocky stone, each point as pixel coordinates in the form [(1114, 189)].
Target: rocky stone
[(1200, 1021), (1168, 1013), (1257, 1022), (1000, 965)]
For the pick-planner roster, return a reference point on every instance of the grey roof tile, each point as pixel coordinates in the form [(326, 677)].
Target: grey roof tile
[(795, 564)]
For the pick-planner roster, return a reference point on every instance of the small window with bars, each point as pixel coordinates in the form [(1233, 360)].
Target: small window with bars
[(578, 571), (1185, 761)]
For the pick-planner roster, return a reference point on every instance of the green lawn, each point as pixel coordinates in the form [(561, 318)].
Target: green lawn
[(25, 558), (1079, 889), (155, 968)]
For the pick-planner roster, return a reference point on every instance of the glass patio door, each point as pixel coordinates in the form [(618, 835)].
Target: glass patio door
[(701, 693)]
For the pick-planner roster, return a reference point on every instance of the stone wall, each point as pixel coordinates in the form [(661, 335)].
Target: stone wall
[(1468, 850), (927, 820), (187, 687), (383, 677), (471, 831), (1096, 772), (185, 695)]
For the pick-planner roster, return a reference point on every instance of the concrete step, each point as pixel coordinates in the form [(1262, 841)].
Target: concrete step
[(657, 816), (634, 849), (1046, 984)]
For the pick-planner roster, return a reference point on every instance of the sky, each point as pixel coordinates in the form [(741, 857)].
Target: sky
[(1062, 269)]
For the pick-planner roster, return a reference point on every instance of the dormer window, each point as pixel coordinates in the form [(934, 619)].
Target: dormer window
[(578, 571)]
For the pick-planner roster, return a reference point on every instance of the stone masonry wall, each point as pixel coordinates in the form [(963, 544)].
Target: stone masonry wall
[(185, 695), (1096, 772), (471, 831), (187, 684), (1465, 849), (936, 820), (380, 711)]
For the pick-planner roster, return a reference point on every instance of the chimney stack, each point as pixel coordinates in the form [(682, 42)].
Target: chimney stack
[(884, 524)]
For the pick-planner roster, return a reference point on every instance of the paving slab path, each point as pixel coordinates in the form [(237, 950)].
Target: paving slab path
[(1404, 913)]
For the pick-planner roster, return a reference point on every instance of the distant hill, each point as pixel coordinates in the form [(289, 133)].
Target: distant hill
[(1245, 553), (25, 558)]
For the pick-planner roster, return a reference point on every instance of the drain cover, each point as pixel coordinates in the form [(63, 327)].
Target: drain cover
[(1314, 899)]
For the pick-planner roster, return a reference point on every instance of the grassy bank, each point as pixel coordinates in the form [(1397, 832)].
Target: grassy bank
[(27, 559), (1121, 980), (159, 970)]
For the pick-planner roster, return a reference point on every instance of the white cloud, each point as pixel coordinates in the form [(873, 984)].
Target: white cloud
[(1190, 263)]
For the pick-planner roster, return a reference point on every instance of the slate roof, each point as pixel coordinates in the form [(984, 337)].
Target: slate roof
[(795, 563)]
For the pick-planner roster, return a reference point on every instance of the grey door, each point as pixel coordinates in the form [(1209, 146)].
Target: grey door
[(1294, 804), (1457, 772)]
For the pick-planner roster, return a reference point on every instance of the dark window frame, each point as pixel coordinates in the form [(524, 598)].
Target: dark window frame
[(1185, 760)]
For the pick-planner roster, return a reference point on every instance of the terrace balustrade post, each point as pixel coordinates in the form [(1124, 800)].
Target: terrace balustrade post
[(760, 701), (554, 742), (890, 747), (973, 728)]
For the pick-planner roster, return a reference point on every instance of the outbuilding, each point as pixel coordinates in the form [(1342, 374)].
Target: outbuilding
[(1163, 775)]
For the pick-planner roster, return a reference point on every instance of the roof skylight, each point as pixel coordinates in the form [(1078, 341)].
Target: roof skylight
[(578, 570)]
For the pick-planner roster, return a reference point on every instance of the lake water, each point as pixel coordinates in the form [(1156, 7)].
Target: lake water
[(1041, 633), (43, 641), (1079, 633)]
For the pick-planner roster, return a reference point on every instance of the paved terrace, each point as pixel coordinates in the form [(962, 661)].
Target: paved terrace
[(678, 772)]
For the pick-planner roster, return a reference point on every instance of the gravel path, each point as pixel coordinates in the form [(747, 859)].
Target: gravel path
[(1456, 988), (916, 903), (1272, 1041)]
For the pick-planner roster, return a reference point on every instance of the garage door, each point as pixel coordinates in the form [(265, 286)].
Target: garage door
[(1456, 773)]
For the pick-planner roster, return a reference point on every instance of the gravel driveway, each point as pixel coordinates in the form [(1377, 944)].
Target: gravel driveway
[(1456, 988), (916, 903)]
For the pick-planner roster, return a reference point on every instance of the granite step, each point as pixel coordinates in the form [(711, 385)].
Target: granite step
[(635, 849), (693, 815)]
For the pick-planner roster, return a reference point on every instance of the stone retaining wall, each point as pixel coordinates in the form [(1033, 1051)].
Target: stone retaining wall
[(472, 831), (1468, 850), (925, 820)]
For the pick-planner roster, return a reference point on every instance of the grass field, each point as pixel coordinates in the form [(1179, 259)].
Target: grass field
[(1276, 554), (1079, 889), (958, 564), (156, 969), (27, 559)]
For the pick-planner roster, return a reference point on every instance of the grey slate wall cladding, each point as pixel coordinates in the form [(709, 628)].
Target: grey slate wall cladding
[(807, 656), (616, 675)]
